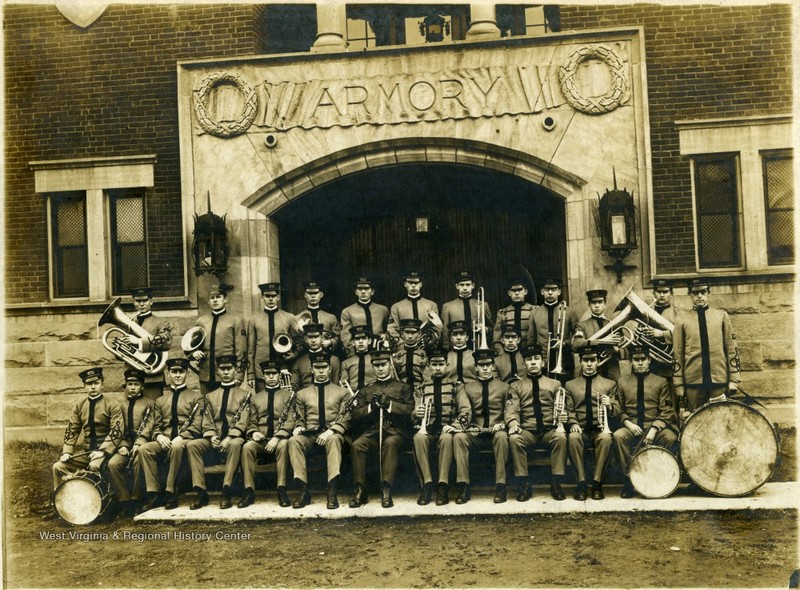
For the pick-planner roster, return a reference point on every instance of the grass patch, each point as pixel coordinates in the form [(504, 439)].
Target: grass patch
[(28, 478)]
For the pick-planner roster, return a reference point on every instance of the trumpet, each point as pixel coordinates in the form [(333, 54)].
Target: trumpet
[(602, 415), (426, 416), (559, 405), (561, 327), (150, 362)]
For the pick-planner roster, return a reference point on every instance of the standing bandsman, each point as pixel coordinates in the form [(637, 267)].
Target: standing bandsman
[(644, 407), (487, 397), (466, 309), (587, 328), (585, 395), (224, 424), (263, 328), (662, 304), (704, 346), (415, 307), (179, 414), (509, 360), (225, 334), (322, 418), (267, 434), (410, 358), (357, 369), (545, 320), (100, 421), (331, 329), (159, 341), (460, 362), (391, 401), (302, 375), (447, 406), (364, 312), (138, 422), (533, 419), (519, 313)]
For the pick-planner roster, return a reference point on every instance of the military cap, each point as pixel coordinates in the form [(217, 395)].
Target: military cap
[(507, 329), (662, 284), (410, 324), (457, 325), (142, 293), (269, 366), (226, 359), (698, 283), (532, 350), (552, 282), (361, 331), (483, 354), (515, 283), (464, 275), (270, 288), (379, 356), (92, 374), (364, 282), (412, 275), (134, 374), (319, 358), (312, 286), (219, 289), (588, 352), (596, 294), (178, 363), (637, 349), (312, 328), (438, 354)]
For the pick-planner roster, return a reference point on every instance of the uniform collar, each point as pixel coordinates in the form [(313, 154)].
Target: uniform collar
[(218, 313)]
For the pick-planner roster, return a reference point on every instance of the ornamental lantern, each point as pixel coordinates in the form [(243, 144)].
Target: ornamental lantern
[(210, 244), (617, 227)]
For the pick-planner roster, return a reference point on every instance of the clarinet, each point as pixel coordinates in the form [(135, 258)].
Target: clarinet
[(190, 418), (139, 432), (242, 406), (290, 403)]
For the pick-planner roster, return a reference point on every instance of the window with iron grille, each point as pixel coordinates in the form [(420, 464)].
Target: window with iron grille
[(128, 239), (717, 203), (779, 206), (69, 245)]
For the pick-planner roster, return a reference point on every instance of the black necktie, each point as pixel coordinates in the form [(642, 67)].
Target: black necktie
[(273, 355), (660, 309), (460, 364), (271, 412), (212, 347), (704, 348), (468, 316), (410, 366), (321, 404), (537, 405), (365, 307), (223, 411), (141, 318), (314, 314), (512, 356), (550, 311), (173, 421), (589, 405), (362, 368), (485, 403), (517, 317), (131, 430), (414, 310), (92, 431), (600, 321), (640, 399), (437, 402)]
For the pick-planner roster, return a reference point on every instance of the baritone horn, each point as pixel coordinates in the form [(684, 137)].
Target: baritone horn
[(431, 329), (117, 344), (191, 341), (282, 344)]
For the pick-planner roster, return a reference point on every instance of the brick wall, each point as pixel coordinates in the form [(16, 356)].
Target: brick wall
[(702, 62), (108, 90)]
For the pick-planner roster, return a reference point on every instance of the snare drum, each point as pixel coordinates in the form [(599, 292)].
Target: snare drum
[(82, 498), (654, 472), (728, 448)]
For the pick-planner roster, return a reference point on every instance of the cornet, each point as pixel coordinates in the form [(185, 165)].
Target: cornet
[(559, 405), (602, 415), (150, 362), (426, 416)]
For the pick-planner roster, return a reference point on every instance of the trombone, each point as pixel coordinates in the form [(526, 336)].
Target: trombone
[(479, 341), (561, 328)]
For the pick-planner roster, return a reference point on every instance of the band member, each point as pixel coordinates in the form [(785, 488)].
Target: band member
[(460, 362), (644, 406), (331, 328), (384, 405), (224, 423), (264, 328), (357, 369), (302, 375), (268, 432), (138, 421), (662, 304), (179, 414), (533, 418), (415, 307), (487, 397), (364, 312), (464, 308), (585, 396), (100, 421), (519, 313), (545, 320), (509, 360), (586, 328), (410, 358), (160, 337), (225, 334), (322, 417), (704, 346), (448, 410)]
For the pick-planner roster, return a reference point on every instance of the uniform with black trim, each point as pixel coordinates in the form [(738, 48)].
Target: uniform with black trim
[(545, 321), (414, 306), (460, 362), (518, 313), (332, 329), (410, 358), (465, 308), (262, 328), (509, 362), (160, 338), (357, 369), (302, 375), (364, 312), (591, 325)]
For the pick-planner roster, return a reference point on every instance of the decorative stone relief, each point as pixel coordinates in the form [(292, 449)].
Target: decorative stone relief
[(216, 109), (577, 93)]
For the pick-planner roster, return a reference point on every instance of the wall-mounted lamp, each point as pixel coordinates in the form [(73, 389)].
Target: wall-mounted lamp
[(617, 227), (210, 244)]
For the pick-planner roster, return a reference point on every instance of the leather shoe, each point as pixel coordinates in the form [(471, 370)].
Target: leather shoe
[(500, 494), (225, 502), (359, 497), (464, 493), (333, 501), (303, 498), (202, 500), (557, 492), (151, 503), (627, 492), (283, 497), (171, 501), (524, 490), (580, 491), (442, 497), (425, 495), (248, 498), (386, 496), (597, 491)]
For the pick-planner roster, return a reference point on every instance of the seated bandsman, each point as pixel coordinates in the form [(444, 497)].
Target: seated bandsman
[(508, 361), (138, 421), (460, 362), (487, 397), (159, 339), (410, 358), (322, 417), (415, 307), (178, 414), (331, 328), (644, 406), (390, 401), (224, 424), (99, 420), (364, 312), (302, 376), (595, 322), (357, 369), (532, 418), (519, 313), (446, 405), (587, 395), (268, 432)]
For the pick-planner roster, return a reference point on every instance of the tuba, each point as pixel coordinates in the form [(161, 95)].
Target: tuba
[(149, 362)]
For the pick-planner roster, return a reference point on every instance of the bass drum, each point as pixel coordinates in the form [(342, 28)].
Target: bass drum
[(82, 498), (654, 472), (728, 448)]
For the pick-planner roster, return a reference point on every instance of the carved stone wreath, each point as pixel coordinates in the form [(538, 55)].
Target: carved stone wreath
[(228, 129), (612, 99)]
